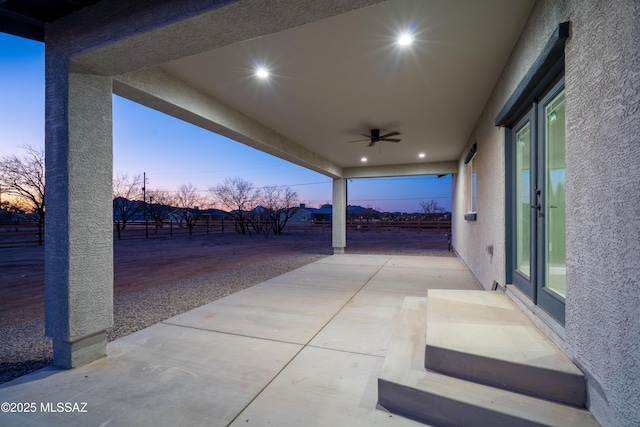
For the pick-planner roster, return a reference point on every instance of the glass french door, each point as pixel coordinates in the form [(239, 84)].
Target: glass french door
[(539, 211)]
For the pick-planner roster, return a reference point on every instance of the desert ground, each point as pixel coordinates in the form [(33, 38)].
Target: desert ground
[(159, 277)]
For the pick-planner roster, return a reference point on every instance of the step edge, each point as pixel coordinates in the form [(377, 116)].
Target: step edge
[(408, 400), (401, 373), (558, 386)]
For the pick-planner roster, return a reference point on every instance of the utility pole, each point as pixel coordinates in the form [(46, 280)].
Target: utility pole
[(144, 200)]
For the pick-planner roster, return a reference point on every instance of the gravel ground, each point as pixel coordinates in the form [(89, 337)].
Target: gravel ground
[(24, 348)]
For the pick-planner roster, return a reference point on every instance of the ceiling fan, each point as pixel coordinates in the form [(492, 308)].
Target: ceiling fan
[(376, 137)]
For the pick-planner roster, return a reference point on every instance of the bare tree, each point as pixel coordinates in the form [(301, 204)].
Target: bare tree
[(264, 216), (160, 206), (282, 202), (260, 220), (188, 201), (23, 178), (239, 197), (431, 209), (127, 195)]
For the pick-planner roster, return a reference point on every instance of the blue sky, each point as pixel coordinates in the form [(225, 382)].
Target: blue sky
[(173, 152)]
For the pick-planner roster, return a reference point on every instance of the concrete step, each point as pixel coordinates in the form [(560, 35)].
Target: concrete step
[(406, 388), (485, 338)]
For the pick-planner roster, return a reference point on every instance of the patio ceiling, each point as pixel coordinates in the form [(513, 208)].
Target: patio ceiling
[(339, 77), (336, 72)]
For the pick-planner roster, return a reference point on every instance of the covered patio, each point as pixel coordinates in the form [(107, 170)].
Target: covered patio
[(304, 348), (479, 95)]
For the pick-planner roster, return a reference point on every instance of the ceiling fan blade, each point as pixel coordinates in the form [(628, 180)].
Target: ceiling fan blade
[(360, 140), (390, 139), (389, 134), (373, 141)]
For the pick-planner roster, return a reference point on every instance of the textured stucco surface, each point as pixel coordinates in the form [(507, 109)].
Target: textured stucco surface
[(603, 204), (78, 251), (118, 36), (471, 238), (602, 82), (339, 215)]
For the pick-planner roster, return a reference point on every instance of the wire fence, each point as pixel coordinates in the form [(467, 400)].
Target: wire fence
[(26, 232)]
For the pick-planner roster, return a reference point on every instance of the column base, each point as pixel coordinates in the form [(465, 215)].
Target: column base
[(67, 355), (338, 251)]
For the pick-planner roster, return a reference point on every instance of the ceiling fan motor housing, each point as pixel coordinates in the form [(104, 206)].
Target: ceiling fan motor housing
[(375, 133)]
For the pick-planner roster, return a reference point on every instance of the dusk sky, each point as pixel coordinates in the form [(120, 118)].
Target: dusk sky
[(173, 152)]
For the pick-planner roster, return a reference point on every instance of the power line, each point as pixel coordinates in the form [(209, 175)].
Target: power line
[(217, 171), (279, 186), (405, 199)]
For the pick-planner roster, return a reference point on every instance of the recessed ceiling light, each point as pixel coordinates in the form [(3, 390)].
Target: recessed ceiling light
[(421, 155), (405, 39), (262, 72), (364, 159)]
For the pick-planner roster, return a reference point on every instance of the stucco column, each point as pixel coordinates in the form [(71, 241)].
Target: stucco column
[(339, 217), (78, 235)]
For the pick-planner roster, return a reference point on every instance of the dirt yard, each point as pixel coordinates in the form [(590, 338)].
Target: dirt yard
[(140, 264)]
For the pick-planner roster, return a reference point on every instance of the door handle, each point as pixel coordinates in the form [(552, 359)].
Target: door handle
[(537, 206)]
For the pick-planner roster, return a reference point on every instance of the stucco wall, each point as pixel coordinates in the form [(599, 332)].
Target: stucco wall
[(603, 204), (602, 81), (471, 238)]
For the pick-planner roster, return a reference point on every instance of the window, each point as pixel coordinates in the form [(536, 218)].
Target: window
[(473, 185)]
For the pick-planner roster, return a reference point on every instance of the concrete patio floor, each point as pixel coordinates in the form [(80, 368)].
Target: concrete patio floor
[(304, 348)]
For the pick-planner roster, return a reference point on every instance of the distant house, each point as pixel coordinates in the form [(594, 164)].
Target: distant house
[(303, 215), (214, 214), (322, 214), (132, 210)]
